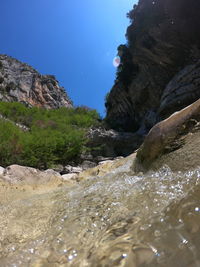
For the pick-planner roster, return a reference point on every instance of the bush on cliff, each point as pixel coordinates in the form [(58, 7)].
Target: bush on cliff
[(55, 136)]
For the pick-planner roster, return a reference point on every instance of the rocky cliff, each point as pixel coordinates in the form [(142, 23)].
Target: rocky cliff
[(163, 39), (20, 82)]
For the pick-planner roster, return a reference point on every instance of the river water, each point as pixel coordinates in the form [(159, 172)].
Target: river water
[(120, 219)]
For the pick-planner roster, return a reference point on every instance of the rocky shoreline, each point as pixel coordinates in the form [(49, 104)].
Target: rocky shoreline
[(171, 139), (129, 196)]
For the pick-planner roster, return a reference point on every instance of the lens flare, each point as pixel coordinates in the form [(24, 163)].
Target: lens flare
[(116, 61)]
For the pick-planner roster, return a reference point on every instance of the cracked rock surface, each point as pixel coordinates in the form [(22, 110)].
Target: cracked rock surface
[(20, 82)]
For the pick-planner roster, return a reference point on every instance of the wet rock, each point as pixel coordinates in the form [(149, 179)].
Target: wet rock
[(169, 135), (107, 167), (118, 219), (20, 82)]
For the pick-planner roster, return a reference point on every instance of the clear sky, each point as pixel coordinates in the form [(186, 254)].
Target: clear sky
[(75, 40)]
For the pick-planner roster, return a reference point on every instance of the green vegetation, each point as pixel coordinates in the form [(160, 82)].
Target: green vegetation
[(55, 136)]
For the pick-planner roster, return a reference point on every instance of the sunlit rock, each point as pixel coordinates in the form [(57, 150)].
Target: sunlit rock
[(20, 82), (71, 169), (69, 177), (175, 138), (2, 170), (16, 174)]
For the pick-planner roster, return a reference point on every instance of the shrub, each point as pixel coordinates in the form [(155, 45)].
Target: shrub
[(10, 143), (55, 136)]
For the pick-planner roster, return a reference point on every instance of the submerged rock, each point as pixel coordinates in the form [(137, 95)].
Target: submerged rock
[(117, 218)]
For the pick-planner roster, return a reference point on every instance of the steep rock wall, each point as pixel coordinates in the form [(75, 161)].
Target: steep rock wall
[(163, 38), (20, 82)]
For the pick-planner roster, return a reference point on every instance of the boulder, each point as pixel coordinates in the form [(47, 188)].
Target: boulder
[(16, 174), (69, 177), (2, 170), (71, 169), (109, 167), (109, 144), (86, 164), (168, 135)]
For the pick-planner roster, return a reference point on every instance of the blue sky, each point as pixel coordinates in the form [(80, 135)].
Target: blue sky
[(75, 40)]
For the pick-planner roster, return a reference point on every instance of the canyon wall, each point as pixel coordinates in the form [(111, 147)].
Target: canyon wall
[(20, 82), (159, 71)]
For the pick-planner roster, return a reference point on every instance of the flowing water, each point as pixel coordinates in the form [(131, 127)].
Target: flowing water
[(120, 219)]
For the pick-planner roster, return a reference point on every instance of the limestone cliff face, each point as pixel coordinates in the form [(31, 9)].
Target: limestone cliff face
[(163, 38), (20, 82)]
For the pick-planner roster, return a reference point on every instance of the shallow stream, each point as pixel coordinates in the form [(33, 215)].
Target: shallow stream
[(120, 219)]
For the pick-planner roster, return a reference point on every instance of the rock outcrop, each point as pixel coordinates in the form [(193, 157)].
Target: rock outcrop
[(181, 91), (173, 141), (20, 82), (163, 38), (109, 144)]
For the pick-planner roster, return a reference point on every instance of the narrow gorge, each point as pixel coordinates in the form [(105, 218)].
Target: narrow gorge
[(76, 190)]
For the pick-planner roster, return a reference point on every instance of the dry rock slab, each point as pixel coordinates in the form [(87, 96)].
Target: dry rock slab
[(16, 174), (69, 177), (2, 170), (71, 169)]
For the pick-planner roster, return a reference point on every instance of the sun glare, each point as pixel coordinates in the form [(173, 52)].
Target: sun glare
[(116, 61)]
